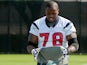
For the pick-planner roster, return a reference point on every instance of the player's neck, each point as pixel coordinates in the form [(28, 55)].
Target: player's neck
[(51, 24)]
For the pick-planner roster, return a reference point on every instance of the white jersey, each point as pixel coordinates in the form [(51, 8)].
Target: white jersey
[(52, 36)]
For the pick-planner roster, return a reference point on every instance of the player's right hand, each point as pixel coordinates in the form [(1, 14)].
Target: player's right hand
[(34, 53)]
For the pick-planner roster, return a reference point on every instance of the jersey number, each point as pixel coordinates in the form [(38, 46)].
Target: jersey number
[(57, 38)]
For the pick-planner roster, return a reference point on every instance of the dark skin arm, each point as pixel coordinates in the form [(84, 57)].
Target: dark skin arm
[(72, 48), (34, 39)]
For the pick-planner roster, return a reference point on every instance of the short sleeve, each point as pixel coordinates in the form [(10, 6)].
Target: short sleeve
[(70, 28), (33, 30)]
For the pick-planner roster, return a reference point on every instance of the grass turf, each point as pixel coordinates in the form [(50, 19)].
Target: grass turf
[(27, 59)]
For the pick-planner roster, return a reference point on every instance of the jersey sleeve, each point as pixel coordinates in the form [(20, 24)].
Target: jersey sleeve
[(34, 30), (70, 28)]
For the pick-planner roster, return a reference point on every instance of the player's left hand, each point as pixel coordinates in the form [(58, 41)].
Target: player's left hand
[(65, 51)]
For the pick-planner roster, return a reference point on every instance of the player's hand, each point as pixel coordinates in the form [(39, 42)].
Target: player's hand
[(34, 53), (64, 50)]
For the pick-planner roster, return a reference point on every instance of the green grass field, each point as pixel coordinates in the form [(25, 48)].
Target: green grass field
[(26, 59)]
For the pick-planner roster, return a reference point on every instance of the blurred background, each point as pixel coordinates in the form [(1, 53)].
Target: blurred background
[(16, 17)]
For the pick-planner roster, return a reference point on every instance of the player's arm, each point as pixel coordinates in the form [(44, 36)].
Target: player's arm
[(73, 42), (33, 37), (32, 42)]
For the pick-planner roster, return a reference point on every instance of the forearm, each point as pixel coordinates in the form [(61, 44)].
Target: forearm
[(74, 46), (72, 42), (31, 46)]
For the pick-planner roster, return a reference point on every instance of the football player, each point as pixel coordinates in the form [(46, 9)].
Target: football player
[(53, 30)]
